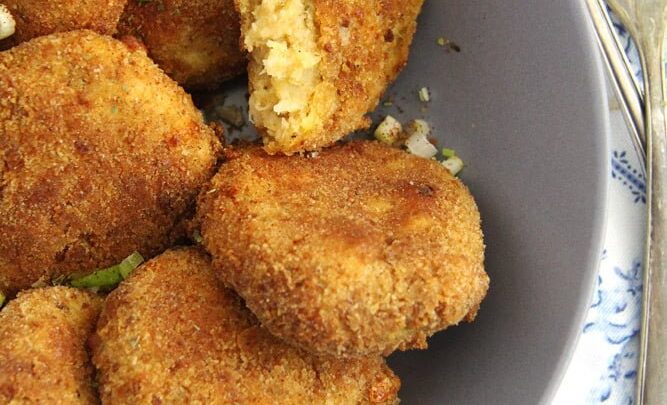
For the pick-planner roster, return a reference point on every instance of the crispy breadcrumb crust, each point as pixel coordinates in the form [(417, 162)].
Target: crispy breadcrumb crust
[(172, 333), (100, 155), (361, 249), (43, 355), (35, 18), (363, 47), (195, 42)]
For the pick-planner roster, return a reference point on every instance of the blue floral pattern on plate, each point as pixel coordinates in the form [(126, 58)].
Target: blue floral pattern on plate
[(603, 369), (631, 177), (613, 318)]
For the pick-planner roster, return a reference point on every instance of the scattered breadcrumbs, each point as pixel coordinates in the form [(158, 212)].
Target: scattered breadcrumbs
[(424, 95), (448, 44)]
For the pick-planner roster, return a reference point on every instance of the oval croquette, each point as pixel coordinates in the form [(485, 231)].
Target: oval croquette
[(317, 67), (195, 42), (362, 249), (101, 154), (35, 18), (171, 333), (43, 355)]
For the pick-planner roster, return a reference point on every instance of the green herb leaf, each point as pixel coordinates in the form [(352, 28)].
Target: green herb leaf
[(109, 277), (129, 264), (448, 153)]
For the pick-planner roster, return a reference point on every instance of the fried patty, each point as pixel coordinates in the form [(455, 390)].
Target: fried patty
[(359, 250), (318, 66), (101, 154), (172, 333), (43, 356), (35, 18), (195, 42)]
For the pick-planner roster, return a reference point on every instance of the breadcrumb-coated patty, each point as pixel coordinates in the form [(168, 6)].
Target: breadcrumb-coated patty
[(35, 18), (362, 249), (195, 42), (171, 333), (318, 66), (100, 155), (43, 354)]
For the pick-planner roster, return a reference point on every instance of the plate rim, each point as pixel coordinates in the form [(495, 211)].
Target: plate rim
[(597, 77)]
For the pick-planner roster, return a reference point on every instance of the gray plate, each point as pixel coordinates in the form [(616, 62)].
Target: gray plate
[(523, 103)]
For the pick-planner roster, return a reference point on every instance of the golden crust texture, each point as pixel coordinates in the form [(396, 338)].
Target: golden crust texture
[(35, 18), (172, 333), (43, 356), (100, 155), (317, 67), (360, 250), (195, 42)]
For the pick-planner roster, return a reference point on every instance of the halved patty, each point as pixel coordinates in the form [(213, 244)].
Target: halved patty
[(101, 154), (171, 333), (318, 66), (43, 355), (360, 249)]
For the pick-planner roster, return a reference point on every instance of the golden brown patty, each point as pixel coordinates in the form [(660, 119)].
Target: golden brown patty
[(35, 18), (360, 250), (318, 66), (100, 155), (172, 334), (43, 357), (195, 42)]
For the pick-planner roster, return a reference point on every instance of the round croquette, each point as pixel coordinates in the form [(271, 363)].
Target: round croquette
[(195, 42), (43, 354), (101, 154), (360, 249), (171, 333)]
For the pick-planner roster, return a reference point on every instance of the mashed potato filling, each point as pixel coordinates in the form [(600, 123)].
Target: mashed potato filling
[(282, 41)]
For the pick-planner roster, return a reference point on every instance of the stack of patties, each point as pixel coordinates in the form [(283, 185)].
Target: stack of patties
[(312, 258)]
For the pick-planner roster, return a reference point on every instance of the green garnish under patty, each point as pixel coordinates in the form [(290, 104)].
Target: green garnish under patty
[(196, 236), (109, 277), (2, 299)]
